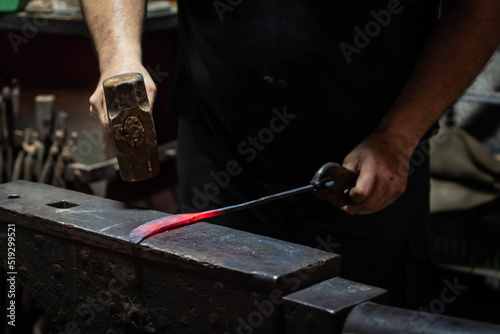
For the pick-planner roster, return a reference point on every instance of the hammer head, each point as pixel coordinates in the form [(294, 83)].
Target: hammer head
[(132, 127)]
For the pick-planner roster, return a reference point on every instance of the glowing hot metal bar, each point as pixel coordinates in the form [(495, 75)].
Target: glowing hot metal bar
[(331, 182), (162, 224)]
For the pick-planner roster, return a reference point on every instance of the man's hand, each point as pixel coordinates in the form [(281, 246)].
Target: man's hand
[(97, 103), (456, 51), (116, 29), (382, 161)]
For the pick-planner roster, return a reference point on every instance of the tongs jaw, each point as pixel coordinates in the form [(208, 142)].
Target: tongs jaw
[(333, 182)]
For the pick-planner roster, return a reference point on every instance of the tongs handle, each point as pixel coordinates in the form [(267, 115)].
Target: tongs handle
[(333, 183)]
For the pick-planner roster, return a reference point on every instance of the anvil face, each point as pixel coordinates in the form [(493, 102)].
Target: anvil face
[(74, 256)]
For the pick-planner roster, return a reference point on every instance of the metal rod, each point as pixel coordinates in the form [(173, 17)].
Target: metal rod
[(265, 199), (162, 224)]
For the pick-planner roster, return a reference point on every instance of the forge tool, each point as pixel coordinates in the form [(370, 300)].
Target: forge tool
[(331, 183)]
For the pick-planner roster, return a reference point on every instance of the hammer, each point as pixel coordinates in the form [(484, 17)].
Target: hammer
[(132, 127)]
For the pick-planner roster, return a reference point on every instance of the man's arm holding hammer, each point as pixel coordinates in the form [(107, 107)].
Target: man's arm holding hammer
[(116, 28)]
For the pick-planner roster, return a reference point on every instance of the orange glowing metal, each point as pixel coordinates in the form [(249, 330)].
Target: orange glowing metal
[(165, 223), (331, 183)]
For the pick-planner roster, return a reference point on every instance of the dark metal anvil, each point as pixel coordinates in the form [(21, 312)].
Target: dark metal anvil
[(73, 255)]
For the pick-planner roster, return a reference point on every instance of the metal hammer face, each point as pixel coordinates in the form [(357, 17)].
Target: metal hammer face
[(132, 127)]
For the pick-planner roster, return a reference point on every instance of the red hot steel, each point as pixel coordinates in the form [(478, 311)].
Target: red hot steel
[(331, 182), (165, 223)]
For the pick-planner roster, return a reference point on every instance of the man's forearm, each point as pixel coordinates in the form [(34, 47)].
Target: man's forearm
[(456, 52), (116, 28)]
